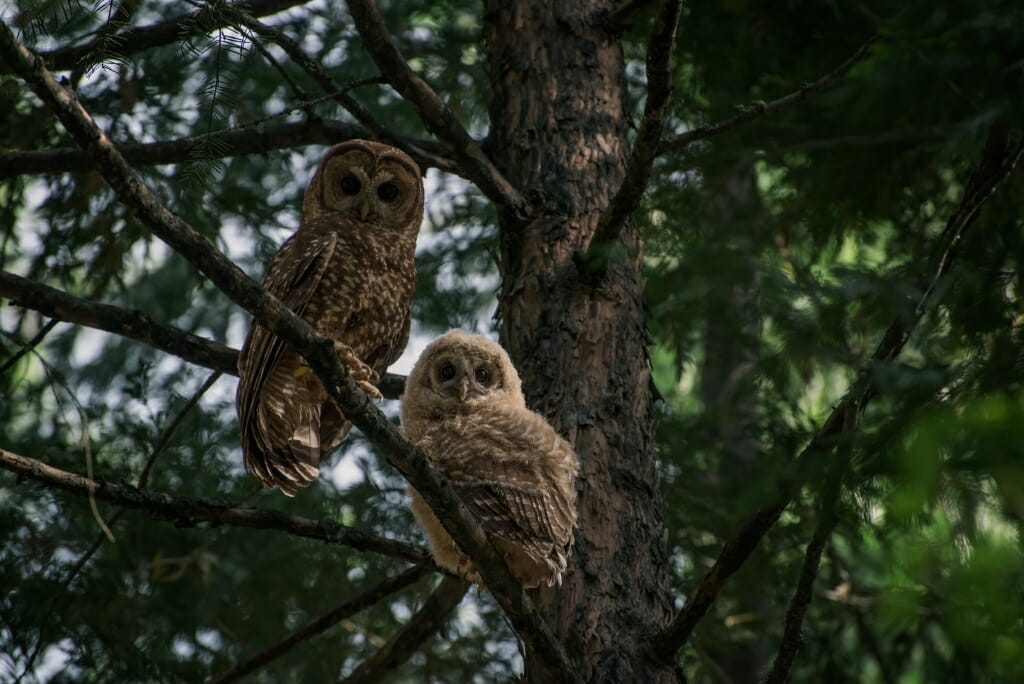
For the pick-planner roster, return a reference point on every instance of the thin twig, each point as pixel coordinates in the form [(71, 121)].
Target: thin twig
[(997, 162), (323, 623), (188, 512), (618, 19), (436, 115), (409, 639), (155, 35), (29, 346), (318, 351), (168, 432), (140, 327), (755, 111), (645, 149), (250, 138), (792, 635)]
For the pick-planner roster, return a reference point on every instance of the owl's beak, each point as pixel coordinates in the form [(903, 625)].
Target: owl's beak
[(463, 389), (364, 207)]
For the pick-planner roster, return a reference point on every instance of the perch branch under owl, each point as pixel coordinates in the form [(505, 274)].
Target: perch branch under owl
[(319, 352)]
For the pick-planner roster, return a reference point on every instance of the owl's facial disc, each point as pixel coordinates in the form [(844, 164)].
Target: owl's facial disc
[(465, 379)]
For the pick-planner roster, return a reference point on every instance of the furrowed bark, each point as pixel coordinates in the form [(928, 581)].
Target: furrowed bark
[(559, 133)]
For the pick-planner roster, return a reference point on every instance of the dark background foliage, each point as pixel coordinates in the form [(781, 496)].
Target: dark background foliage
[(776, 256)]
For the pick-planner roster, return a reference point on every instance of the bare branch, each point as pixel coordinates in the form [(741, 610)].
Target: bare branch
[(29, 346), (792, 635), (755, 111), (423, 625), (140, 327), (350, 607), (155, 35), (318, 351), (619, 18), (187, 511), (998, 161), (645, 149), (432, 110), (235, 141)]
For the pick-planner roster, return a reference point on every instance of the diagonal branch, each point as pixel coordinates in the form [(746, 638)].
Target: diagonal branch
[(424, 624), (139, 326), (129, 323), (619, 18), (756, 111), (792, 635), (645, 149), (997, 162), (318, 351), (432, 110), (186, 511), (234, 141), (162, 33), (350, 607)]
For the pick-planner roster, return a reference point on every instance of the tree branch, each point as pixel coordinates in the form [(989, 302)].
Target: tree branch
[(162, 33), (350, 607), (997, 161), (755, 111), (410, 638), (792, 635), (186, 511), (619, 18), (645, 149), (318, 351), (235, 141), (138, 326), (432, 110)]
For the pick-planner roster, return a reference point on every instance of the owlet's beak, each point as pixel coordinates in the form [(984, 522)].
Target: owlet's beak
[(364, 207), (463, 389)]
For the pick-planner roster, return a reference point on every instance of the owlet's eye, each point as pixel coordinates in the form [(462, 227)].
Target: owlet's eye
[(482, 375), (447, 372), (387, 191), (350, 185)]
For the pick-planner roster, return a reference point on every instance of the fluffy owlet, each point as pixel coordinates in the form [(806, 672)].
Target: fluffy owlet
[(464, 407), (349, 271)]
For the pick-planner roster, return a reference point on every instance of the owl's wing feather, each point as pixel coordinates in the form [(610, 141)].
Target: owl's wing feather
[(499, 480), (294, 273)]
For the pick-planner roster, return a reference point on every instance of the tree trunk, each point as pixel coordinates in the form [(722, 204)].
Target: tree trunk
[(559, 134)]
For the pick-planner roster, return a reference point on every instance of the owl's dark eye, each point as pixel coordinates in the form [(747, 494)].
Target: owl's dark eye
[(482, 375), (350, 185), (387, 191), (447, 372)]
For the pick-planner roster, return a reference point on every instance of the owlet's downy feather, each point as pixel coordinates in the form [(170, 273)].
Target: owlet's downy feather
[(464, 406), (348, 271)]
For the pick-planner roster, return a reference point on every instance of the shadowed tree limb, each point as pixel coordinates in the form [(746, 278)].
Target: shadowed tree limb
[(619, 18), (154, 35), (998, 160), (350, 607), (140, 327), (792, 635), (187, 511), (755, 111), (318, 351), (432, 110), (28, 346), (645, 149), (402, 645), (235, 141)]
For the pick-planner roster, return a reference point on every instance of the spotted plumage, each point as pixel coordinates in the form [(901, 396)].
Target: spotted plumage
[(349, 271), (464, 406)]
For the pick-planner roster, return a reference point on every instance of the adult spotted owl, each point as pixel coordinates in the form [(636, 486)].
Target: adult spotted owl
[(348, 271), (463, 405)]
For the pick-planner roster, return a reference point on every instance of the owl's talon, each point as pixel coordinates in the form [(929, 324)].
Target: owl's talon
[(370, 389)]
